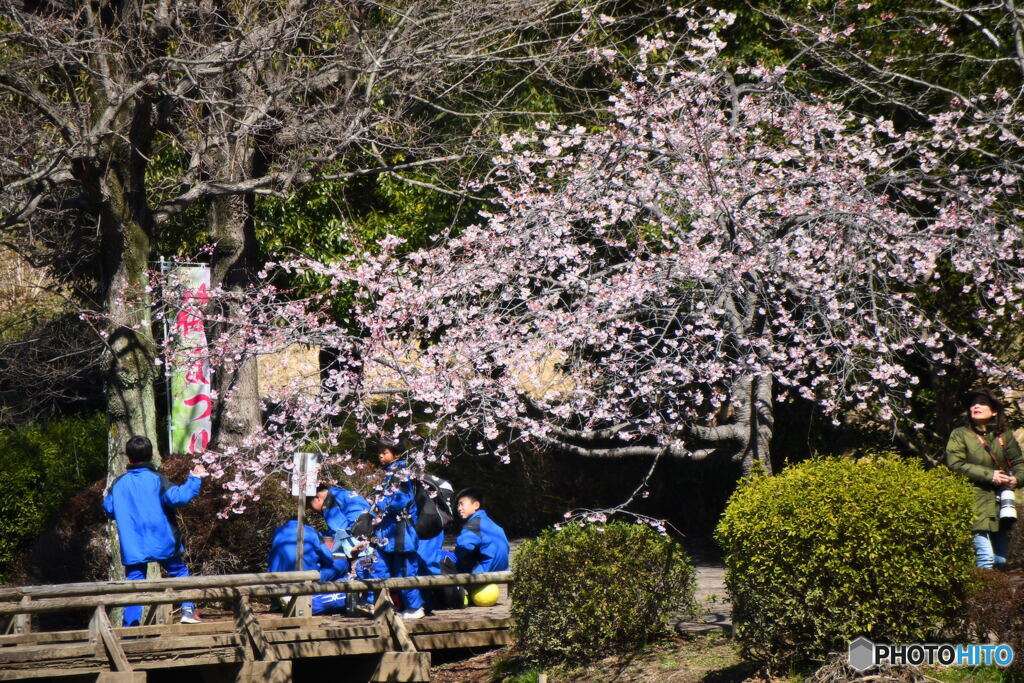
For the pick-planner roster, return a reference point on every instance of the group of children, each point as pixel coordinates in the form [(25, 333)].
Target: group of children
[(374, 541), (397, 549)]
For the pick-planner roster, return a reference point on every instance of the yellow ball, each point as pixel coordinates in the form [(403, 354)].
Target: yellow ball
[(484, 596)]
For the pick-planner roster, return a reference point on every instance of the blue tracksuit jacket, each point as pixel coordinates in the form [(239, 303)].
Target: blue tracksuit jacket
[(341, 510), (141, 501), (481, 545), (400, 534), (315, 555)]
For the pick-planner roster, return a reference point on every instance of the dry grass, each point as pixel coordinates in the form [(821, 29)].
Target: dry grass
[(683, 659)]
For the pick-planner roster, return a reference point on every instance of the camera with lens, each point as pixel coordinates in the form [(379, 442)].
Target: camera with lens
[(1007, 504)]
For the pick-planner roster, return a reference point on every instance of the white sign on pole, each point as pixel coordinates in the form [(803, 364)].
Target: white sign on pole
[(305, 466)]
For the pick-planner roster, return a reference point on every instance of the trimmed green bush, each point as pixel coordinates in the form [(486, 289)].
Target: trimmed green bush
[(832, 549), (43, 465), (583, 591)]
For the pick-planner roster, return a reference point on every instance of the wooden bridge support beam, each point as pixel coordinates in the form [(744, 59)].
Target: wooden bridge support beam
[(298, 606), (265, 672), (404, 663), (122, 677), (102, 633), (157, 614), (20, 623), (254, 640)]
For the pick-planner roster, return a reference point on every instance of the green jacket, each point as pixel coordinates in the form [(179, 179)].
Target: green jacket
[(965, 454)]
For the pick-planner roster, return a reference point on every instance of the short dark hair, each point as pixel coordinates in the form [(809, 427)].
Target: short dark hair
[(322, 487), (138, 449), (474, 494), (396, 445)]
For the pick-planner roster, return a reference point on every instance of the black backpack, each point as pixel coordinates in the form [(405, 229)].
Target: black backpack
[(434, 503)]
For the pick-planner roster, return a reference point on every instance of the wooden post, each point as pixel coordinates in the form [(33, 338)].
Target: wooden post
[(100, 631), (253, 639), (121, 677), (158, 614), (22, 623), (389, 625), (300, 514), (265, 672), (299, 606), (403, 666), (403, 663)]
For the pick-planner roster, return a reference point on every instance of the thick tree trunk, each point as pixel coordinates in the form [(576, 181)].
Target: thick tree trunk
[(747, 435), (762, 426), (116, 186), (236, 412)]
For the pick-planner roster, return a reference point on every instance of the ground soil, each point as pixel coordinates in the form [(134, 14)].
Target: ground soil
[(680, 659)]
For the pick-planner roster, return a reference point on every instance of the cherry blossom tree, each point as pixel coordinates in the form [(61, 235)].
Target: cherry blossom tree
[(913, 61), (125, 124), (655, 288)]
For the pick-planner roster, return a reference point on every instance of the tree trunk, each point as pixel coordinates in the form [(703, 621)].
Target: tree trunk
[(762, 426), (752, 424), (236, 412), (117, 189)]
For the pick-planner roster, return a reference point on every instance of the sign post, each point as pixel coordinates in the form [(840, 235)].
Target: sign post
[(305, 471)]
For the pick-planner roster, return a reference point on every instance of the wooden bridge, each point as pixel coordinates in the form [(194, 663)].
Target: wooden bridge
[(245, 642)]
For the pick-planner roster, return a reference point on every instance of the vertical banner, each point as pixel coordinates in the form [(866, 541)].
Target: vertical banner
[(191, 402)]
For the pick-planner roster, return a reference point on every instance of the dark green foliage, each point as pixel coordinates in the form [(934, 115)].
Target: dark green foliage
[(43, 465), (832, 549), (583, 591)]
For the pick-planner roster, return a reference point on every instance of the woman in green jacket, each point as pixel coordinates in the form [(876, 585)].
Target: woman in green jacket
[(986, 452)]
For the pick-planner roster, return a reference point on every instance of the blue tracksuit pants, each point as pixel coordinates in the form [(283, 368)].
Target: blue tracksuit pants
[(136, 572), (404, 564)]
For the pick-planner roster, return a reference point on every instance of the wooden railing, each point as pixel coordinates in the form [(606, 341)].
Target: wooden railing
[(244, 638)]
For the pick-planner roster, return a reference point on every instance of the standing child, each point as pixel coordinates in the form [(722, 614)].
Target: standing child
[(397, 527), (141, 502)]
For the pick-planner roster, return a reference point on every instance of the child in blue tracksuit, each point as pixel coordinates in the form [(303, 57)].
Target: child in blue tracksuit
[(141, 501), (315, 555), (428, 563), (340, 508), (481, 545), (397, 528)]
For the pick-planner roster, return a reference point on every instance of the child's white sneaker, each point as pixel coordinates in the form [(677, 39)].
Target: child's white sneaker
[(190, 616)]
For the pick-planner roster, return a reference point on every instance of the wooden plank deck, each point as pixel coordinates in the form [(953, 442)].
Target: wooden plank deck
[(262, 643)]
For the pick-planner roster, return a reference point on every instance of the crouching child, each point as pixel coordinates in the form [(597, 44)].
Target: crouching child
[(315, 555), (481, 545)]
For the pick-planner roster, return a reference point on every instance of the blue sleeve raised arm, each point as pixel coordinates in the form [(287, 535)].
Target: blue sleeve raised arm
[(176, 496)]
